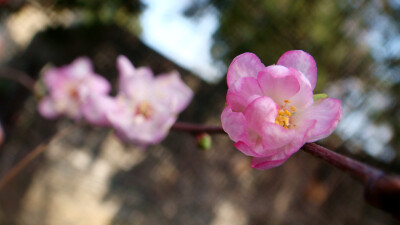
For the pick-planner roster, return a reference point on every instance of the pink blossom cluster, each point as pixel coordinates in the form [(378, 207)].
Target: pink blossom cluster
[(270, 111), (142, 112)]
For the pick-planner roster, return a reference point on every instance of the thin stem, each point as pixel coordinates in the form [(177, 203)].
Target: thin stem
[(22, 164), (18, 76), (196, 128), (29, 158), (380, 189), (358, 170)]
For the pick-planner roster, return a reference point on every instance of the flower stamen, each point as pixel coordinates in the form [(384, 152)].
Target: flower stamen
[(145, 110), (284, 114)]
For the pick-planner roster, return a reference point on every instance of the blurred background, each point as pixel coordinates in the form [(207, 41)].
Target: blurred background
[(90, 177)]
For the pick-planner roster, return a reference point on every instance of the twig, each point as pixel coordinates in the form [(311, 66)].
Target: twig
[(30, 157), (196, 128), (380, 189), (22, 164), (18, 76)]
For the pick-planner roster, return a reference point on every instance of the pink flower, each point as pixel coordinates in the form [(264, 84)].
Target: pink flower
[(270, 111), (1, 135), (69, 87), (146, 106)]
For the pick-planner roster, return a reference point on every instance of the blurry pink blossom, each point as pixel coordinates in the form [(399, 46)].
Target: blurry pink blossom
[(1, 135), (146, 106), (270, 111), (69, 88)]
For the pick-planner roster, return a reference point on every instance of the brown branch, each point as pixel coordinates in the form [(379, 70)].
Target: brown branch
[(30, 157), (380, 189), (18, 76), (358, 170), (196, 128), (22, 164)]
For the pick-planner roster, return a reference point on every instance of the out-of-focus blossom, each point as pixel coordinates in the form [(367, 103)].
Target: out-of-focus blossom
[(69, 88), (1, 135), (270, 111), (146, 106)]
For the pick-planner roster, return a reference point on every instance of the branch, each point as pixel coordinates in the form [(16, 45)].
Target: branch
[(196, 128), (380, 189), (30, 157), (18, 76)]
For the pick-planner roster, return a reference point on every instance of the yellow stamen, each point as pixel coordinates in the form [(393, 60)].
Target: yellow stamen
[(286, 121), (145, 109), (284, 114)]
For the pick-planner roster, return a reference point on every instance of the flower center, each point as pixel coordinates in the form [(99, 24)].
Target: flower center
[(144, 109), (284, 114)]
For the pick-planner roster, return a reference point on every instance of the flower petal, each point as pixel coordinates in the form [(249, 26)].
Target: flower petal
[(172, 91), (96, 108), (301, 61), (304, 97), (260, 116), (125, 67), (327, 113), (97, 84), (245, 149), (79, 68), (244, 65), (47, 108), (234, 124), (268, 162), (278, 82), (261, 110), (1, 135), (242, 92)]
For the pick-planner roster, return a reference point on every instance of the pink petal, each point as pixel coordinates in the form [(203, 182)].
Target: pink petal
[(47, 108), (79, 68), (97, 107), (304, 97), (147, 132), (125, 67), (268, 162), (1, 135), (53, 79), (279, 83), (242, 92), (97, 84), (260, 111), (260, 116), (126, 72), (234, 124), (327, 113), (121, 115), (173, 91), (247, 150), (244, 65), (144, 73), (301, 61)]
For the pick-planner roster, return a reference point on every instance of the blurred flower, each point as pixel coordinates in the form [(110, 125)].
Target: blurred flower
[(146, 106), (270, 111), (1, 135), (69, 87)]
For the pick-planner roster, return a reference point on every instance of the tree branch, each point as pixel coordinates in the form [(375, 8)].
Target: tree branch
[(380, 189), (18, 76)]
